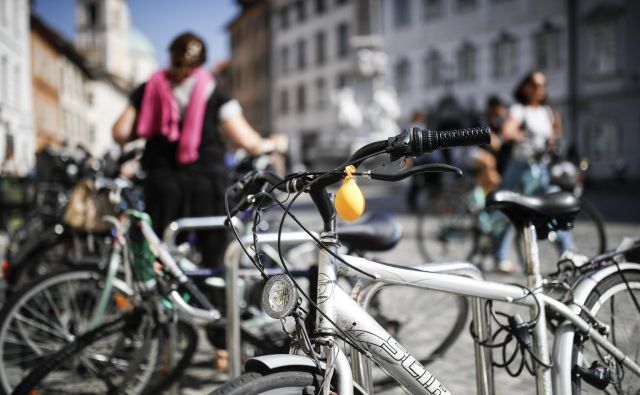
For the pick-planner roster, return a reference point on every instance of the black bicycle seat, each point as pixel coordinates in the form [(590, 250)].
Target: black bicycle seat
[(552, 211), (378, 231)]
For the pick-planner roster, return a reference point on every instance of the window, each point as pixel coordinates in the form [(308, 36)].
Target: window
[(92, 13), (401, 12), (284, 101), (341, 2), (343, 40), (433, 69), (602, 47), (16, 17), (466, 63), (3, 12), (321, 93), (603, 140), (284, 18), (301, 100), (301, 10), (343, 80), (284, 60), (301, 50), (547, 48), (321, 6), (466, 5), (505, 56), (402, 71), (320, 48), (17, 91), (4, 82), (431, 9)]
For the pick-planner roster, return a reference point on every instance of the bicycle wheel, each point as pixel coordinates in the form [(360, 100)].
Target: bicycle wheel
[(273, 383), (588, 231), (410, 324), (51, 313), (612, 304), (448, 231)]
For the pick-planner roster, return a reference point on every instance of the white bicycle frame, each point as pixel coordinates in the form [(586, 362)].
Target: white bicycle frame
[(405, 369)]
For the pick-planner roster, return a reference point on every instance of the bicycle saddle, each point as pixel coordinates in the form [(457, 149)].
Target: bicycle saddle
[(378, 231), (548, 212)]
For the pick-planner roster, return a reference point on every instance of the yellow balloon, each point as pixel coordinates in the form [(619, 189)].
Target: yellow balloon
[(350, 200)]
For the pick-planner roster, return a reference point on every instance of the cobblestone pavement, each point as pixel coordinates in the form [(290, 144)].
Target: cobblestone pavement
[(456, 368)]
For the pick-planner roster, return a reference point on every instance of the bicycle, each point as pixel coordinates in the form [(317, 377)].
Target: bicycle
[(456, 225), (205, 313), (317, 363)]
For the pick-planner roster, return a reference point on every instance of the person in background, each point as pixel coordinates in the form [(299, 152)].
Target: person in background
[(533, 128), (426, 182), (186, 121)]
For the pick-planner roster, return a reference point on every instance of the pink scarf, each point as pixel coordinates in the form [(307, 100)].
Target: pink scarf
[(159, 113)]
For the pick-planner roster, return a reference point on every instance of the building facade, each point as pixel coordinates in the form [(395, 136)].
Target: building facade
[(73, 104), (16, 125), (311, 59), (250, 64), (607, 86), (447, 57)]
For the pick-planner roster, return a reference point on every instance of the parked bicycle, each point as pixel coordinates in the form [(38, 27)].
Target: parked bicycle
[(597, 310), (455, 224), (113, 311)]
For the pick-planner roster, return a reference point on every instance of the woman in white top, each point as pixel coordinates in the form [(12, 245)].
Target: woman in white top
[(534, 128)]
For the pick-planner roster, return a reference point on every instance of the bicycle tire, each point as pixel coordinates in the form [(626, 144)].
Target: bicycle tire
[(449, 230), (38, 373), (599, 300), (596, 217), (25, 331), (166, 381), (276, 382)]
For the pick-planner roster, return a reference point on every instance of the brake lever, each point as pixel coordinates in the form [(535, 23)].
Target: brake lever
[(427, 168)]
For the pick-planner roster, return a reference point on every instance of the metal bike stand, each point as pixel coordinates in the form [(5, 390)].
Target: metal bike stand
[(169, 238), (363, 293), (232, 274)]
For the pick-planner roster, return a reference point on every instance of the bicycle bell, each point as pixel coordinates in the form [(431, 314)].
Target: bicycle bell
[(279, 297)]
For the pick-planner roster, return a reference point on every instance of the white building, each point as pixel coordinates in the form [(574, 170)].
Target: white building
[(311, 59), (447, 57), (16, 125)]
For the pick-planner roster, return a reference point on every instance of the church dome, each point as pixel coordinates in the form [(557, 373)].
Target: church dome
[(139, 44)]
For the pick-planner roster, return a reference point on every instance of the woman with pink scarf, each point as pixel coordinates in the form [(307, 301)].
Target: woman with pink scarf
[(183, 117)]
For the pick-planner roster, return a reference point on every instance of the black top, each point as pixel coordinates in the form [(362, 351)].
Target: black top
[(160, 153)]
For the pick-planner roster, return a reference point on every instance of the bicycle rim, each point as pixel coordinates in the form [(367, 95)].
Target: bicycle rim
[(612, 304), (48, 315)]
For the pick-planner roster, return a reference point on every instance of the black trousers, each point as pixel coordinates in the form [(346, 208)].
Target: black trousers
[(171, 194)]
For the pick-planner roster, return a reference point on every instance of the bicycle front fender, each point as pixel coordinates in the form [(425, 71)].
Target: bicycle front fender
[(564, 334), (267, 363)]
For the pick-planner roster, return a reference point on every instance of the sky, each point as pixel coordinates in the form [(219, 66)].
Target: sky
[(160, 21)]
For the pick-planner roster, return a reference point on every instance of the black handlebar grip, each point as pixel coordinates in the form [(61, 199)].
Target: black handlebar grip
[(431, 140)]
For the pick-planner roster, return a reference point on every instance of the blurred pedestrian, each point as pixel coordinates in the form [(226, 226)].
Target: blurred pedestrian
[(184, 117), (533, 128)]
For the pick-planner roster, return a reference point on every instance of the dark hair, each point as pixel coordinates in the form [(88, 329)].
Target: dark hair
[(518, 93), (494, 101), (188, 50)]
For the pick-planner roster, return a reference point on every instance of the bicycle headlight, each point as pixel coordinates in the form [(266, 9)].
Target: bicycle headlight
[(279, 297)]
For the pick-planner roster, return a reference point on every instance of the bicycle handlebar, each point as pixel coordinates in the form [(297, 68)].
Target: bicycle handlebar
[(411, 142)]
